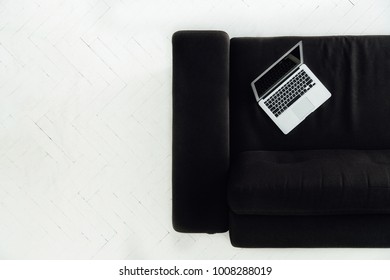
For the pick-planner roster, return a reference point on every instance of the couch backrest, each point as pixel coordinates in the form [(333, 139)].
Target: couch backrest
[(355, 69)]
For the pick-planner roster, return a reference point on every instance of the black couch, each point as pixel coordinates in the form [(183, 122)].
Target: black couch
[(325, 184)]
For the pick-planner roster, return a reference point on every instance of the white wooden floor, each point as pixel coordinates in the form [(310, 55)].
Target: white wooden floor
[(85, 121)]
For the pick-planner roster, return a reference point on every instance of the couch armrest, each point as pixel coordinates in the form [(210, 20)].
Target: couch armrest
[(200, 148)]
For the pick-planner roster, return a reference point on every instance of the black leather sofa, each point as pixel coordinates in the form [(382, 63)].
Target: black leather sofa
[(325, 184)]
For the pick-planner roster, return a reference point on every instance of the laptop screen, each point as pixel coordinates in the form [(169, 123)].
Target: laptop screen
[(278, 71)]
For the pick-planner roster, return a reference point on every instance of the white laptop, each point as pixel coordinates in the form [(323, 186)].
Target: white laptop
[(288, 91)]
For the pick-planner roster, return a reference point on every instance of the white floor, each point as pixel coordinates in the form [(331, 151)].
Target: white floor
[(85, 121)]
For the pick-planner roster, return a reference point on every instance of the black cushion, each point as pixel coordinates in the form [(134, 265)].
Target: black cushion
[(356, 70), (200, 144), (317, 182), (254, 231)]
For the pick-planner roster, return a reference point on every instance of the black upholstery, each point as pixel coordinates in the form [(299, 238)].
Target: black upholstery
[(320, 231), (200, 148), (311, 182), (356, 70), (325, 184)]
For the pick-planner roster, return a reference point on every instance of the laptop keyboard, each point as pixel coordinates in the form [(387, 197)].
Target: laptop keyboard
[(289, 93)]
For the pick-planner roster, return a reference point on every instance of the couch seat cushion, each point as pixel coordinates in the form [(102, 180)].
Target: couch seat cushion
[(356, 71), (310, 182)]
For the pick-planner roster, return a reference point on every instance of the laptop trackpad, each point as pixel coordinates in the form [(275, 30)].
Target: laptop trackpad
[(303, 108)]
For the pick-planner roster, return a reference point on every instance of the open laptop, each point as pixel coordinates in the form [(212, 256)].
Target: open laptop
[(288, 91)]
